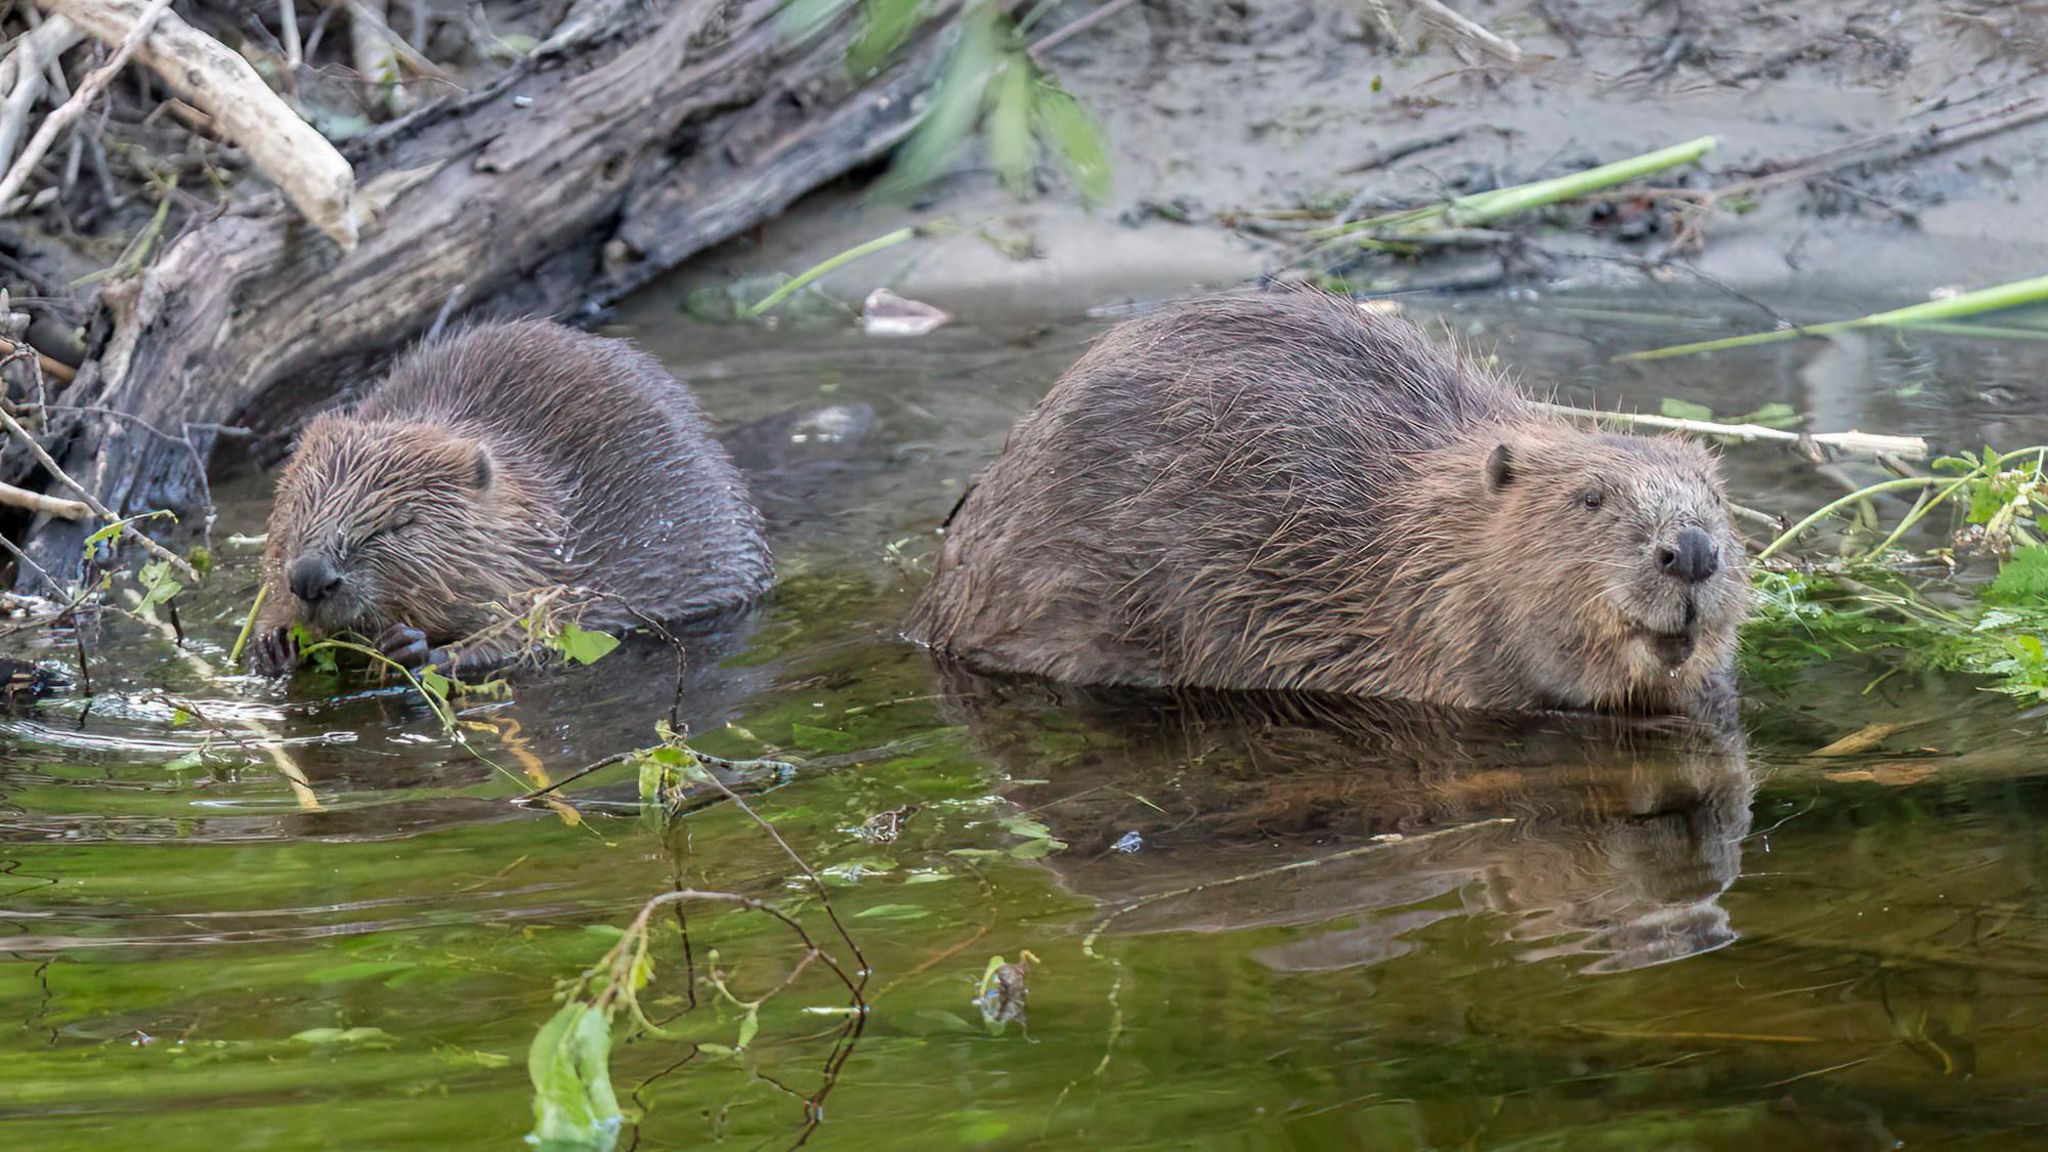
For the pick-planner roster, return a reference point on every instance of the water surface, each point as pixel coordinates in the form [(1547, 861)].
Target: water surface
[(1254, 924)]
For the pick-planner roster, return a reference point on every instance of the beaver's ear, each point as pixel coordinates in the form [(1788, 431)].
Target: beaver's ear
[(485, 470), (1500, 468)]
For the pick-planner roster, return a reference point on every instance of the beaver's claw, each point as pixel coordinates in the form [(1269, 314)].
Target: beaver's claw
[(273, 653), (405, 646)]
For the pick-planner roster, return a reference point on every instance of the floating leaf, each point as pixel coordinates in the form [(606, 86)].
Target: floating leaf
[(1685, 410), (569, 1064), (1773, 415), (583, 646)]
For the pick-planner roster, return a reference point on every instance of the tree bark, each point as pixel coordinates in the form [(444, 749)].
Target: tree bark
[(628, 142)]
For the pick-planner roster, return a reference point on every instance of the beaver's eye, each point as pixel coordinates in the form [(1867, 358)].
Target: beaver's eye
[(1592, 501)]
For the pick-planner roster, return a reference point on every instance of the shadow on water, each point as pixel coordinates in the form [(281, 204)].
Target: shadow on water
[(1256, 923)]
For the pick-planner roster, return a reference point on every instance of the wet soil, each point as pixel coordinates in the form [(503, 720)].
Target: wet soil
[(1217, 112)]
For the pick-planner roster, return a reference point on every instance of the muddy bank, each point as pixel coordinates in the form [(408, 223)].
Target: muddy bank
[(1219, 116)]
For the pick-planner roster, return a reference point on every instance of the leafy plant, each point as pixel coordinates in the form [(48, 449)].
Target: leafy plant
[(991, 82), (2000, 493), (1869, 608)]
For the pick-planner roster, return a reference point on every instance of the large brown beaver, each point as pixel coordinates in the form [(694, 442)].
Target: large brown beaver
[(506, 459), (1283, 492)]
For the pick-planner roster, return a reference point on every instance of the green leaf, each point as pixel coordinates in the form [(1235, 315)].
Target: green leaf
[(1073, 136), (1011, 147), (1987, 496), (158, 585), (654, 776), (583, 646), (2023, 580), (1772, 415), (955, 105), (433, 683), (1685, 410), (1035, 849), (750, 1027), (569, 1064), (884, 26)]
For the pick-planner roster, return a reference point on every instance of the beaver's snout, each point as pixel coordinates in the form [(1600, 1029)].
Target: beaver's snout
[(1691, 557), (313, 578)]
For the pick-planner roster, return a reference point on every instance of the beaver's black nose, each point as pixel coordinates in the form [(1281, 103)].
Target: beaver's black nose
[(1692, 557), (312, 578)]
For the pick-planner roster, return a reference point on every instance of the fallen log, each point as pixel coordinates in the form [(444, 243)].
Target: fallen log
[(635, 137)]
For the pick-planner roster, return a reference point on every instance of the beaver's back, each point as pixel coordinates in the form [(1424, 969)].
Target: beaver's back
[(1174, 496), (656, 512)]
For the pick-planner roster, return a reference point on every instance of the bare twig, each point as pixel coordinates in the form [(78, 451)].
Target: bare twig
[(1852, 443), (23, 74), (88, 90), (127, 530), (374, 48), (288, 27), (53, 368), (210, 76), (372, 13), (1073, 28), (52, 38), (1442, 14)]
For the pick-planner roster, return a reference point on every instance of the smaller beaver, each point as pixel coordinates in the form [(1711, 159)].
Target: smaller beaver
[(505, 459), (1283, 492)]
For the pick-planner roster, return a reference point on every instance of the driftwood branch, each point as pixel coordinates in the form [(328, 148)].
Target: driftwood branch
[(51, 367), (206, 74), (47, 505), (595, 164), (1850, 443), (81, 99), (128, 531), (24, 74)]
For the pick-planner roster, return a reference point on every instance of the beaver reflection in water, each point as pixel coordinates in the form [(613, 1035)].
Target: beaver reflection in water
[(1606, 839), (1283, 492), (506, 459)]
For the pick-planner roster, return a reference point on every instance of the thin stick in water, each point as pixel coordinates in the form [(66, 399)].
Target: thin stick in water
[(1852, 442)]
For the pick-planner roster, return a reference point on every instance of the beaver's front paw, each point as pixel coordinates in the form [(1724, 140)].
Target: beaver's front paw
[(405, 646), (273, 653)]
